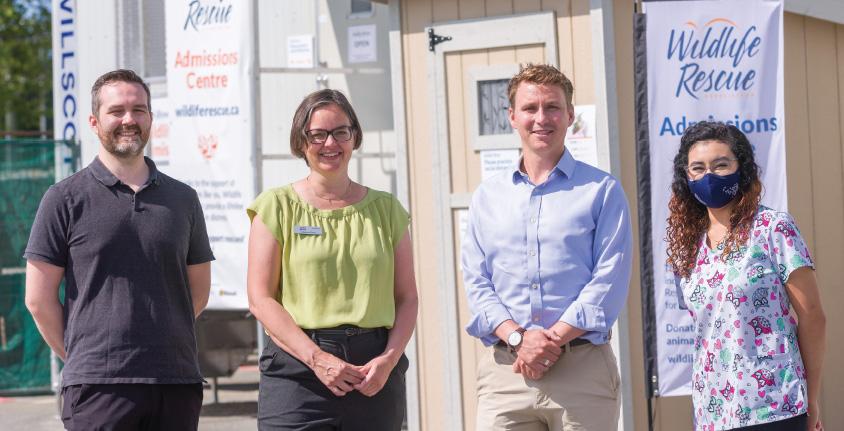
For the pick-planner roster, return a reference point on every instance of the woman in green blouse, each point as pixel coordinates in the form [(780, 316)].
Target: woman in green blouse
[(331, 279)]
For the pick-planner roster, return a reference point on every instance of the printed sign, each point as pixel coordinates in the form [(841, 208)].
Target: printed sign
[(66, 103), (495, 161), (580, 137), (208, 142), (362, 45), (715, 61), (300, 51), (159, 138)]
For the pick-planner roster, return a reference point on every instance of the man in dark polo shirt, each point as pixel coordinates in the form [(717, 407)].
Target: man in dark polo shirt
[(131, 245)]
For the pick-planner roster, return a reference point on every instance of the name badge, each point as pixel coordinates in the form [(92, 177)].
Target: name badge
[(307, 230)]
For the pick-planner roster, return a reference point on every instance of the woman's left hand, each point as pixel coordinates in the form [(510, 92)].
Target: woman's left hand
[(376, 373)]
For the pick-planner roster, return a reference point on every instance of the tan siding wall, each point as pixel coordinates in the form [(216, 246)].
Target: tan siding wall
[(415, 16), (623, 27), (814, 77)]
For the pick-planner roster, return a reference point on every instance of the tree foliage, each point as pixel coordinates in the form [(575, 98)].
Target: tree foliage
[(25, 64)]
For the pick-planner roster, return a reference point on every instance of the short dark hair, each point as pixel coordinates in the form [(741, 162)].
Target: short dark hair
[(318, 99), (543, 74), (119, 75)]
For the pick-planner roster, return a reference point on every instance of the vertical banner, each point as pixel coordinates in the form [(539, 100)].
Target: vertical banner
[(716, 61), (210, 134), (159, 138), (66, 105)]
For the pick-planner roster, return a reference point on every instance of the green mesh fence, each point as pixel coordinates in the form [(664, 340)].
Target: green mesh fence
[(27, 168)]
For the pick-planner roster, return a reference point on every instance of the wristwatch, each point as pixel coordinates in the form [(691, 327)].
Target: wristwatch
[(514, 340)]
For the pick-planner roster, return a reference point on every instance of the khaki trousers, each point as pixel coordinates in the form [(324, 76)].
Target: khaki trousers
[(579, 392)]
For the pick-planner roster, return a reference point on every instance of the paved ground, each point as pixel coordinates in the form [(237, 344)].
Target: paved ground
[(238, 402), (236, 409)]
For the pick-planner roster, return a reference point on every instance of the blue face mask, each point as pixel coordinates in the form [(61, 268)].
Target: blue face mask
[(715, 191)]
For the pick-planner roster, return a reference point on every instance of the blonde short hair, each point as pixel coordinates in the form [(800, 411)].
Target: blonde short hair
[(543, 74)]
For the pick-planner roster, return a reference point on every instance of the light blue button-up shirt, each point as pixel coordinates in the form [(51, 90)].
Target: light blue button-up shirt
[(557, 251)]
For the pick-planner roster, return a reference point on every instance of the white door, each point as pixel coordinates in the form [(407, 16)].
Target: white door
[(468, 75)]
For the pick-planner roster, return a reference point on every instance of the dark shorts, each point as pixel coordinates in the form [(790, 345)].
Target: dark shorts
[(131, 407), (291, 397)]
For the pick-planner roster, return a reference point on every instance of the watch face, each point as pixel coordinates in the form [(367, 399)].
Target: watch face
[(514, 339)]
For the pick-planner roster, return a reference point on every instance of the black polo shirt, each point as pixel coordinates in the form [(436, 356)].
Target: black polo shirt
[(128, 313)]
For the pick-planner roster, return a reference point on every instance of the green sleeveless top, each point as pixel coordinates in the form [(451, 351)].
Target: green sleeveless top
[(337, 266)]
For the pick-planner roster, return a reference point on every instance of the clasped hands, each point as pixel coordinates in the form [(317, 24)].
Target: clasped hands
[(539, 350), (341, 377)]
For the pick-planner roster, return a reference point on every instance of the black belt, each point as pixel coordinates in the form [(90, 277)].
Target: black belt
[(573, 343), (577, 342), (349, 331)]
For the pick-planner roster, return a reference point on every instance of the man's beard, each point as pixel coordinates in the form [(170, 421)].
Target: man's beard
[(122, 148)]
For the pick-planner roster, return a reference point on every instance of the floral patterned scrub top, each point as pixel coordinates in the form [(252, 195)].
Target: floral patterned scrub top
[(747, 368)]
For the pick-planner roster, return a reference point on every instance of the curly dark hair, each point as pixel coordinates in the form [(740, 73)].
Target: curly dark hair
[(688, 219)]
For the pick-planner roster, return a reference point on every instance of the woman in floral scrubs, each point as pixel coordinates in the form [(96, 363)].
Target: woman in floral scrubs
[(741, 267)]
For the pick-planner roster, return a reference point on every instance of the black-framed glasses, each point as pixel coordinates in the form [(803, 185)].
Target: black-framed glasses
[(721, 166), (319, 136)]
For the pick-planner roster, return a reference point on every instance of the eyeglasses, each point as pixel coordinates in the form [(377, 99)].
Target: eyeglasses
[(319, 136), (721, 166)]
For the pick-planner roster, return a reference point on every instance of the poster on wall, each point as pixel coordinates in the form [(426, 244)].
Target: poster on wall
[(580, 136), (496, 161), (210, 128), (362, 44), (716, 61), (300, 51)]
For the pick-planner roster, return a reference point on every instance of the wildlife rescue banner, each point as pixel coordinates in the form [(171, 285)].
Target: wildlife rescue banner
[(714, 61), (208, 141)]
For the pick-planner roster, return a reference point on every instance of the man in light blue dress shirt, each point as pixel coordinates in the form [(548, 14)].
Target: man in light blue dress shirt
[(546, 264)]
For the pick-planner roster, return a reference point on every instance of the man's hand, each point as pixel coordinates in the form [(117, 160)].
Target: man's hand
[(539, 350), (519, 367)]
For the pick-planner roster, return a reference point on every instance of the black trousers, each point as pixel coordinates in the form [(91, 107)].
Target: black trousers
[(131, 407), (796, 423), (292, 398)]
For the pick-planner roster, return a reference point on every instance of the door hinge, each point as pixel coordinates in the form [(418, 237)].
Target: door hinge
[(435, 39)]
